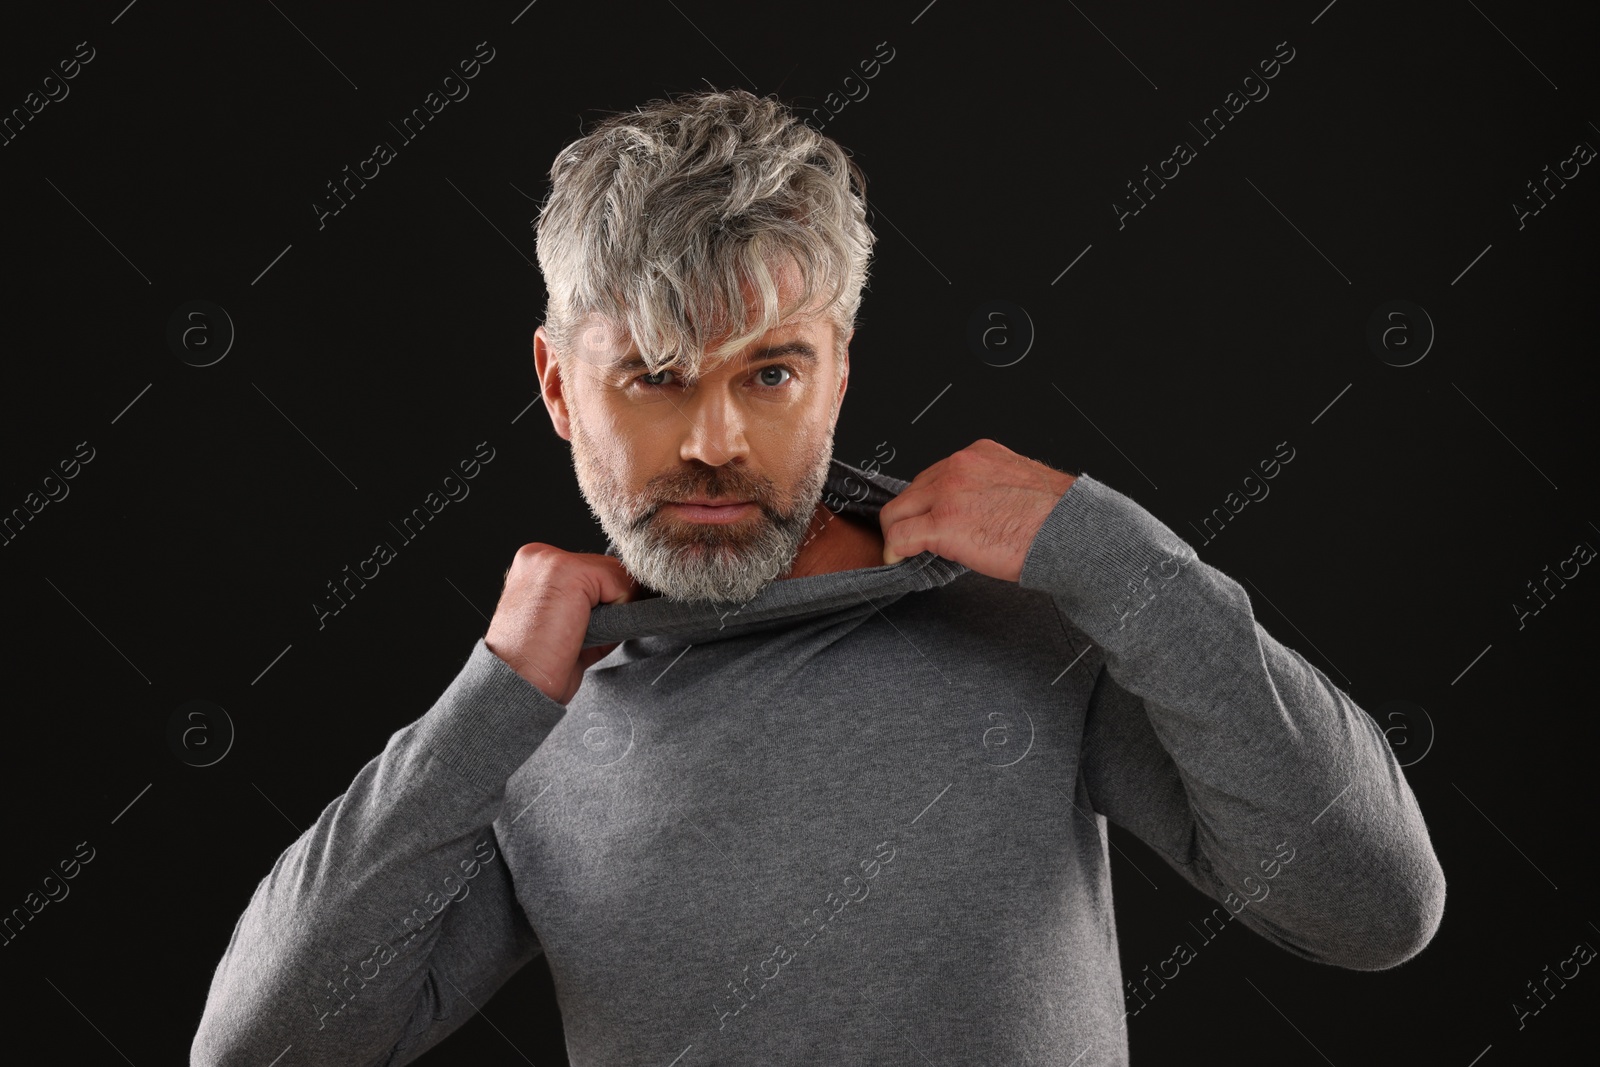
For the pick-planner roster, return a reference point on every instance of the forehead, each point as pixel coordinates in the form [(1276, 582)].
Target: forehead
[(794, 350), (606, 341), (807, 336)]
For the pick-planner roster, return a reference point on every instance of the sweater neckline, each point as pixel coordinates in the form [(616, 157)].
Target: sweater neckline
[(789, 599)]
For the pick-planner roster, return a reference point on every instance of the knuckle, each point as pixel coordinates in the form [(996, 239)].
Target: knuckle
[(534, 557)]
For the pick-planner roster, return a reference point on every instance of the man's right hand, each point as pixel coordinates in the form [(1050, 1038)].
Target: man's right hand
[(543, 615)]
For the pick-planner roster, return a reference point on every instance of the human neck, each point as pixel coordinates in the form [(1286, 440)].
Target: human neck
[(837, 542)]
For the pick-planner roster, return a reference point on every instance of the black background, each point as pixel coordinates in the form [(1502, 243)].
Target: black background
[(1176, 353)]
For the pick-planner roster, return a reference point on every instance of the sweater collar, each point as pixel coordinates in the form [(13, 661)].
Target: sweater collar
[(788, 599)]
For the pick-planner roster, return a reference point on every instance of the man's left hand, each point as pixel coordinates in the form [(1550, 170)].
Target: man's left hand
[(981, 508)]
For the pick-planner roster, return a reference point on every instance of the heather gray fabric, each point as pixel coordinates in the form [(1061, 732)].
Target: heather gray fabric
[(860, 820)]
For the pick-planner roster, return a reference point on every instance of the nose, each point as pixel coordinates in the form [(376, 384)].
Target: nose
[(714, 426)]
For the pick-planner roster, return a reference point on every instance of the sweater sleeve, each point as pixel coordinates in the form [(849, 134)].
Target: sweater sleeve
[(389, 922), (1262, 783)]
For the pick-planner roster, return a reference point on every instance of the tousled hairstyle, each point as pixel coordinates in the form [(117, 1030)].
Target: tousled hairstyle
[(656, 216)]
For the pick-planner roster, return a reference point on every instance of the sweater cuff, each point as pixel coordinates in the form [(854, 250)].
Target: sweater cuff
[(488, 721), (1103, 558)]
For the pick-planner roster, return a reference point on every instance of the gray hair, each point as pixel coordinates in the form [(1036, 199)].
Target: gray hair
[(655, 217)]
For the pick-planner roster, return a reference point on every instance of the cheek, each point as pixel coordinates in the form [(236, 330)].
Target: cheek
[(627, 442), (640, 452), (794, 451)]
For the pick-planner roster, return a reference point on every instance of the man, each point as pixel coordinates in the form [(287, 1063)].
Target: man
[(814, 765)]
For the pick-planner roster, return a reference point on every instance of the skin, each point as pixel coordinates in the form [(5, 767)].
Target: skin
[(754, 428), (981, 507)]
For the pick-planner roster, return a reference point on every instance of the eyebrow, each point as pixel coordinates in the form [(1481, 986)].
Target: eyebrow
[(800, 351)]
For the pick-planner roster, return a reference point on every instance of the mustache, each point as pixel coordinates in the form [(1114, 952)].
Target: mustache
[(759, 491)]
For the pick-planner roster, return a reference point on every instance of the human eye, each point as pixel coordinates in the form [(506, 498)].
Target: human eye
[(775, 368), (649, 380)]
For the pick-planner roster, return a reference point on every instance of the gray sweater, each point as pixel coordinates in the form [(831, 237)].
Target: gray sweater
[(860, 819)]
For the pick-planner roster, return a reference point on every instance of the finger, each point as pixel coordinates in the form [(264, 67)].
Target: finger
[(617, 586), (908, 537), (914, 498), (590, 656), (908, 502)]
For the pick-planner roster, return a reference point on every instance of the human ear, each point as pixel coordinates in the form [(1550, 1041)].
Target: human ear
[(844, 373), (551, 386)]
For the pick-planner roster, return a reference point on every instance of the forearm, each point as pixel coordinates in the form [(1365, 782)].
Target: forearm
[(333, 951), (1266, 751)]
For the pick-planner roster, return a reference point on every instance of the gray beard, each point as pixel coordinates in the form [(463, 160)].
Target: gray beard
[(728, 563)]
